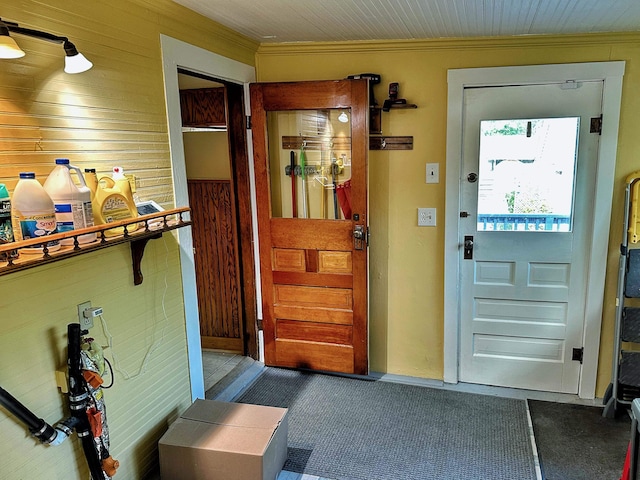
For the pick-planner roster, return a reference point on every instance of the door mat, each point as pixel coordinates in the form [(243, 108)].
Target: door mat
[(576, 443), (349, 429)]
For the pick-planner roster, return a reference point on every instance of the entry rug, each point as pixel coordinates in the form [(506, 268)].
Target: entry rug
[(576, 442), (349, 429)]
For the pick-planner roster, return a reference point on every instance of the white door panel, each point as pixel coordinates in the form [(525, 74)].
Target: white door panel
[(523, 293)]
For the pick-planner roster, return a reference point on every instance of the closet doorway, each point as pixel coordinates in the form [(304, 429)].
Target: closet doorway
[(215, 150)]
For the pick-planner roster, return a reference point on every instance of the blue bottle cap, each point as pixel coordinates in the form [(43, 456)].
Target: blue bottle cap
[(62, 161), (27, 175)]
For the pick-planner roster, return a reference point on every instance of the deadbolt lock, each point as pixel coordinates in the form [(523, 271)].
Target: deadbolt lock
[(468, 247)]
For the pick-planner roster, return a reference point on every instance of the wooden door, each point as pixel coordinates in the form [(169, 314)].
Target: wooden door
[(313, 267), (216, 264)]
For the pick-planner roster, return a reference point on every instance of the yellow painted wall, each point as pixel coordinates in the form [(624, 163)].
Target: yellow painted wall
[(112, 114), (406, 261)]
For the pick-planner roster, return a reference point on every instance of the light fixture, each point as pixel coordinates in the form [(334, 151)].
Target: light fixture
[(8, 46), (74, 61), (343, 117)]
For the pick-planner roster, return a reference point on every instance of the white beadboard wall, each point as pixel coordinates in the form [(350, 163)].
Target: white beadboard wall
[(111, 115)]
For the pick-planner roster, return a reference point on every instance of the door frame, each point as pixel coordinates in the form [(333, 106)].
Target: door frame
[(610, 73), (177, 54)]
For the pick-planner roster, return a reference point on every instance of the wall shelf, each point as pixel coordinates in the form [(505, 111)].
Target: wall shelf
[(148, 227)]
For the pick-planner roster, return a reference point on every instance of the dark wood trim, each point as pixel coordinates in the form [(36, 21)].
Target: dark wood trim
[(222, 343), (241, 190)]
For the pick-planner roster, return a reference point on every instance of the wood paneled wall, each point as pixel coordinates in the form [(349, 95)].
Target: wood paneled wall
[(216, 261)]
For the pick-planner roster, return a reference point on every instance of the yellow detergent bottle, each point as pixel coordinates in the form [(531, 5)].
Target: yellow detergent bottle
[(113, 202)]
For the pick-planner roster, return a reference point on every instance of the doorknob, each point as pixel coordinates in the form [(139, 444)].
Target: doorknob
[(360, 237), (468, 247)]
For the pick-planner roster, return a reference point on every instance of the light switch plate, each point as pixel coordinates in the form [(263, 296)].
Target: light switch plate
[(433, 173)]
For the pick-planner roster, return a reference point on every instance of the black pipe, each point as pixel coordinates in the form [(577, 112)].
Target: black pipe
[(37, 426), (78, 399)]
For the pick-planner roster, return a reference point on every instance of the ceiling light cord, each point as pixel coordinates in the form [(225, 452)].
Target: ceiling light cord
[(75, 62)]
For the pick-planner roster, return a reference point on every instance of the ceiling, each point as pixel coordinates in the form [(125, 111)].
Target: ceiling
[(279, 21)]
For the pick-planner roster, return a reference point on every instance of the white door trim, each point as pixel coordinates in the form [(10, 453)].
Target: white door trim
[(176, 53), (611, 74)]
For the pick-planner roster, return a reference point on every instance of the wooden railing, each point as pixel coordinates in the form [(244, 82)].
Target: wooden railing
[(523, 222), (136, 231)]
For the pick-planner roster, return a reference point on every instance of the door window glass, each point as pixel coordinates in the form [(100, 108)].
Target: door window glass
[(526, 174), (319, 140)]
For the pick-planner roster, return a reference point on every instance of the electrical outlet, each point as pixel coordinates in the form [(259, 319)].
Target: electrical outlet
[(85, 323), (433, 173), (426, 217)]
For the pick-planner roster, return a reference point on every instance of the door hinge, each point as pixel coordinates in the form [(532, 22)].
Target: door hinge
[(578, 354), (259, 321), (596, 125), (248, 122)]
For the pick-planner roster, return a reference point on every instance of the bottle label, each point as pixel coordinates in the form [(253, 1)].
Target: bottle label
[(69, 216), (5, 207), (88, 214), (6, 229), (115, 209), (37, 226)]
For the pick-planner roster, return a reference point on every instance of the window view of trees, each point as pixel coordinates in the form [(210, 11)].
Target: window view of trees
[(527, 173)]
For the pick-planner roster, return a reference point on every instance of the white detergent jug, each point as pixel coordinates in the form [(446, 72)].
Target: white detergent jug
[(33, 213), (72, 202)]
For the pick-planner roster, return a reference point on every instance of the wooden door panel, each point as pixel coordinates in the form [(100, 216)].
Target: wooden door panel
[(304, 234), (306, 95), (335, 262), (289, 260), (315, 356), (324, 315), (321, 261), (314, 332), (216, 264), (320, 297), (314, 281)]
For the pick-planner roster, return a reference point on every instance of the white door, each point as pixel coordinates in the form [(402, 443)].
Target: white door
[(527, 187)]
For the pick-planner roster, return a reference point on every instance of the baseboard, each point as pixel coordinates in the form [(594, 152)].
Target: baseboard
[(488, 390)]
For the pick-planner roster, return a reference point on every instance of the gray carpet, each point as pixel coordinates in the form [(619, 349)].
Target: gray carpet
[(347, 429), (576, 443)]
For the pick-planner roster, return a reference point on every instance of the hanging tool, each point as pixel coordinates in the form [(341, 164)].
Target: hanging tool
[(393, 98), (294, 200), (323, 199), (82, 400), (303, 167), (334, 168)]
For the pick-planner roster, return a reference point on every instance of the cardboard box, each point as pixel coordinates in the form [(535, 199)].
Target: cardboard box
[(225, 441)]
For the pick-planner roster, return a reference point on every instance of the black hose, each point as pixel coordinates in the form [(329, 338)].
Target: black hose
[(37, 426), (78, 398)]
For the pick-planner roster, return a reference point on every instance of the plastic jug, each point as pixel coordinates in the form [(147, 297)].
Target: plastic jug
[(33, 213), (114, 202), (72, 202), (91, 179), (6, 228)]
